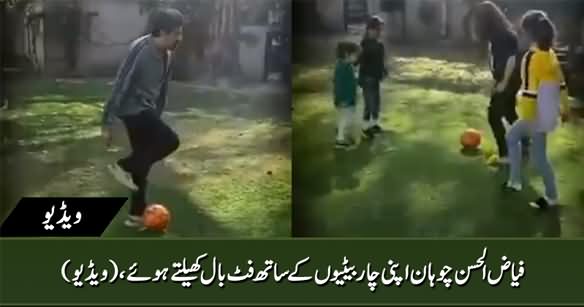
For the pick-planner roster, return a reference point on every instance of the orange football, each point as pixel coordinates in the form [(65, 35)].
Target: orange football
[(156, 217), (471, 139)]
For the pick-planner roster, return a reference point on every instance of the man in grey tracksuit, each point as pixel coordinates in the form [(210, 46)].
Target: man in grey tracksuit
[(138, 99)]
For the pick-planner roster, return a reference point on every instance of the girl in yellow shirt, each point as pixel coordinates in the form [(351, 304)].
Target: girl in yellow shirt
[(541, 100)]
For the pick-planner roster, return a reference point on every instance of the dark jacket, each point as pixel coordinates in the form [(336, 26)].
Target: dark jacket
[(501, 49), (372, 60), (141, 82)]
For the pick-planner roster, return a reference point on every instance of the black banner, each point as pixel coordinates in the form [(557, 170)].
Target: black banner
[(61, 217)]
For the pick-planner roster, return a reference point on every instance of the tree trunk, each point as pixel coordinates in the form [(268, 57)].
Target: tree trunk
[(224, 37)]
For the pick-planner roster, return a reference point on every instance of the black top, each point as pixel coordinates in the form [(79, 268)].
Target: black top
[(372, 59), (501, 48)]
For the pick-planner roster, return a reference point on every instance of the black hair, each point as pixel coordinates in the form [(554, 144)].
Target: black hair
[(345, 49), (540, 28), (165, 20), (491, 22)]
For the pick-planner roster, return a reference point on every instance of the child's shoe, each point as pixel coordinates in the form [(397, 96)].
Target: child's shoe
[(342, 144), (542, 203), (512, 187), (368, 133), (134, 221)]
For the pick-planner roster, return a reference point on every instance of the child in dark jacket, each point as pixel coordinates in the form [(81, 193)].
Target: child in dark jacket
[(345, 91), (371, 71)]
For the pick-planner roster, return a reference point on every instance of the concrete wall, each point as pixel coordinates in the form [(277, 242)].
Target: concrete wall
[(105, 37), (109, 34), (252, 55), (332, 14), (457, 10), (415, 29), (54, 50), (16, 26), (374, 7), (453, 16), (562, 12)]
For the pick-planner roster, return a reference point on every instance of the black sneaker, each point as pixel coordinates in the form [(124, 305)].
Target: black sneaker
[(368, 133), (541, 203), (507, 188), (376, 129)]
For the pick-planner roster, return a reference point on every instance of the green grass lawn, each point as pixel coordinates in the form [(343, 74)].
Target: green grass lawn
[(413, 181), (230, 177)]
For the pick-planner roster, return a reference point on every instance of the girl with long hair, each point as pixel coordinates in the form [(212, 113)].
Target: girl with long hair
[(542, 100), (492, 26)]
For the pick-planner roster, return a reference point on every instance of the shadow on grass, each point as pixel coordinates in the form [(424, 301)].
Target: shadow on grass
[(18, 138), (49, 90), (514, 218), (470, 152), (334, 170), (254, 105), (249, 105), (186, 220), (29, 173), (421, 189)]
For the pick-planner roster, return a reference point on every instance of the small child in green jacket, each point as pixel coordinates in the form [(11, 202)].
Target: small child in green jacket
[(345, 91)]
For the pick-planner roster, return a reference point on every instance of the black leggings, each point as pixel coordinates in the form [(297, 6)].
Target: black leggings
[(151, 140), (502, 106)]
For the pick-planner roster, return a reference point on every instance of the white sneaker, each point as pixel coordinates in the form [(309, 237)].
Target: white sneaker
[(122, 176), (516, 187), (134, 221)]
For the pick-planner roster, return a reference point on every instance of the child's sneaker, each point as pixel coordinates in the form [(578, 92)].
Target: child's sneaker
[(122, 176), (503, 161), (542, 203), (368, 133), (511, 187), (134, 221), (376, 129), (342, 144)]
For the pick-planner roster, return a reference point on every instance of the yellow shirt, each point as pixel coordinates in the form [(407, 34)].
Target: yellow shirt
[(538, 66)]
